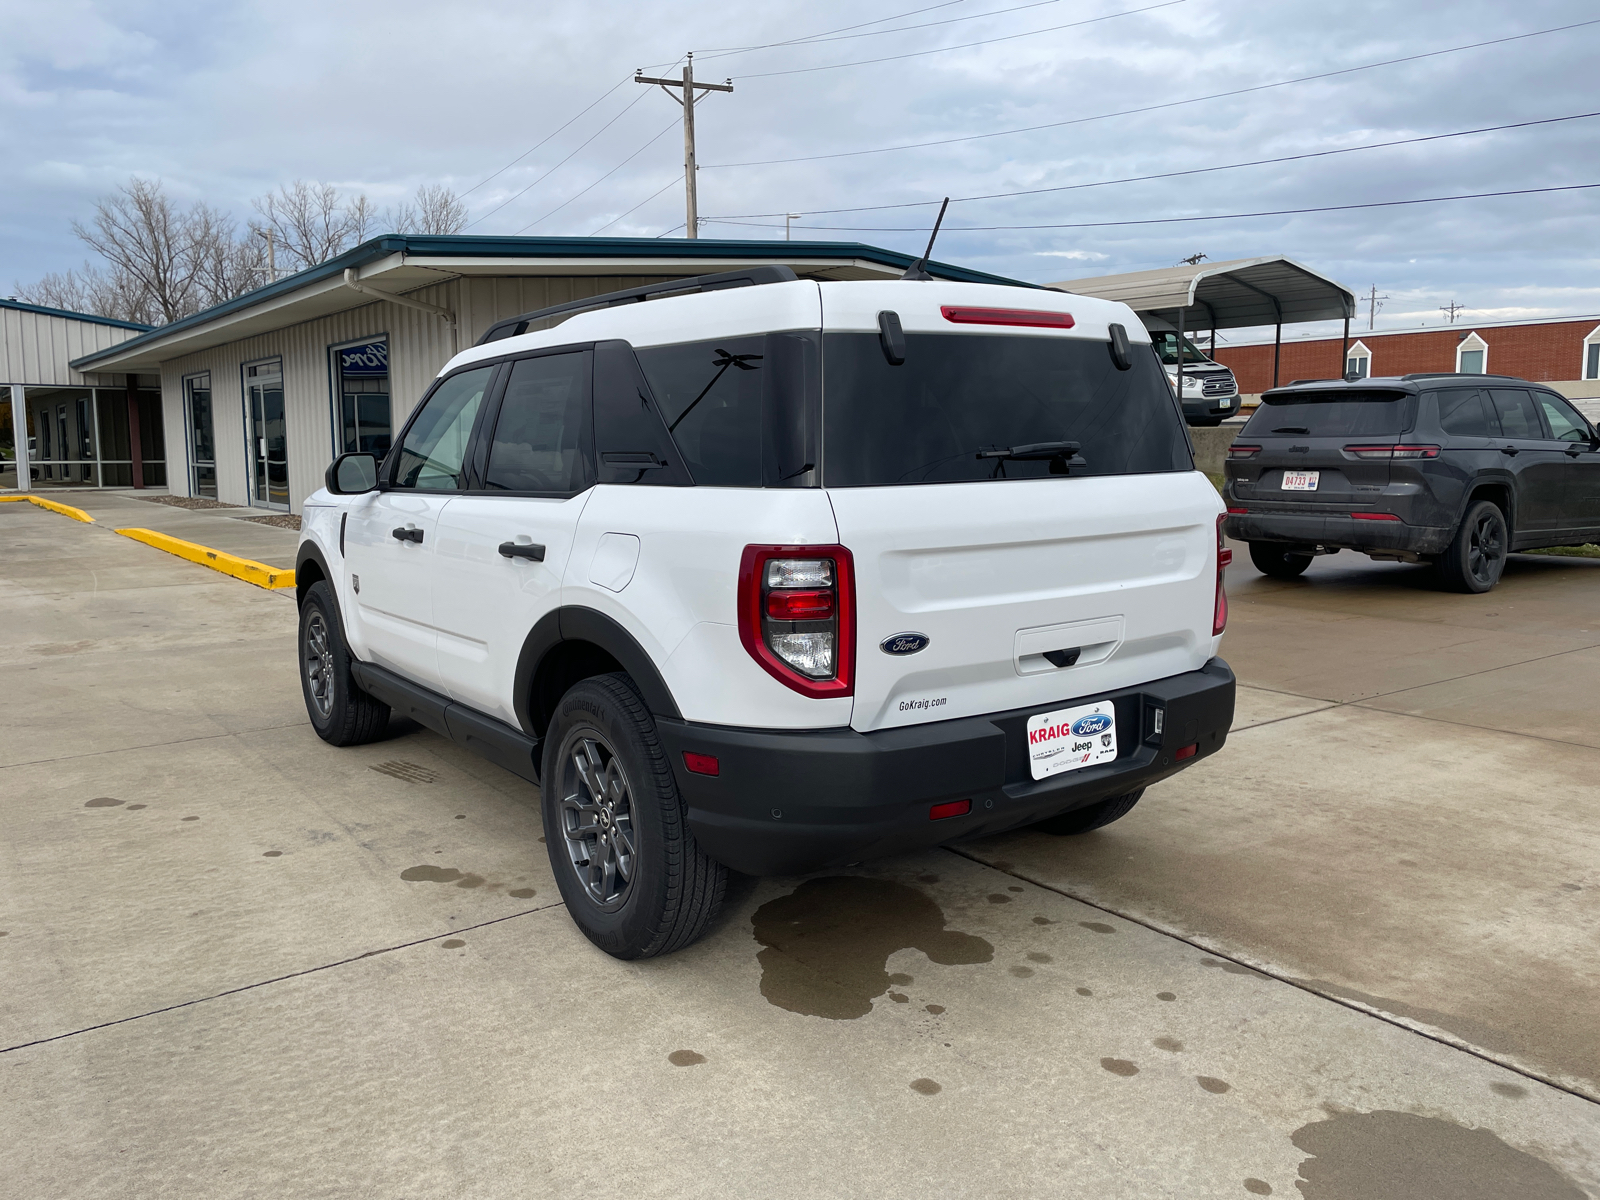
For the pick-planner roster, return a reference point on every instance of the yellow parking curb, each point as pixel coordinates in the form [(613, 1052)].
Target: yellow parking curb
[(66, 510), (259, 574)]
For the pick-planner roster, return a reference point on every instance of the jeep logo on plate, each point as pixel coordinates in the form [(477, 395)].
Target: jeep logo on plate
[(1092, 724), (904, 643)]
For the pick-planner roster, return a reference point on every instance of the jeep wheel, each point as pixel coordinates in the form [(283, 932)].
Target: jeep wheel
[(1277, 560), (1093, 816), (1477, 554), (340, 712), (631, 873)]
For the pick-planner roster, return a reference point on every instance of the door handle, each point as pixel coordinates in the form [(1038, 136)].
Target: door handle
[(1573, 451), (529, 550), (1511, 450), (407, 535)]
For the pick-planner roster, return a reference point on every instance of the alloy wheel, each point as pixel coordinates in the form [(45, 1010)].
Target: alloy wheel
[(319, 663), (1486, 548), (597, 819)]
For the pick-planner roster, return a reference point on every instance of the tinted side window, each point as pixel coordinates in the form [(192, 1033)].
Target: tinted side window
[(710, 396), (630, 435), (1565, 423), (436, 444), (541, 437), (1464, 413), (1519, 418)]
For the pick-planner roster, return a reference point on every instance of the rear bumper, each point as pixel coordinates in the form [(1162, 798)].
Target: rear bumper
[(789, 802), (1345, 533)]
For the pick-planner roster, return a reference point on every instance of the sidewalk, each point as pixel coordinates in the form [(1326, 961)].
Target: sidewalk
[(216, 528)]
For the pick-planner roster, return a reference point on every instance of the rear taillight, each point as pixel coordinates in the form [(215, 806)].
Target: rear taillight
[(1219, 612), (1372, 516), (797, 616), (1393, 451), (1238, 451), (1238, 512)]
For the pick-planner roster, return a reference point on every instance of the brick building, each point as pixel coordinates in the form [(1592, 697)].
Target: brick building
[(1563, 351)]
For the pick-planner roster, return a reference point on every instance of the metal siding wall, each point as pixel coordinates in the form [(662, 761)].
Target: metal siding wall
[(35, 348), (419, 347)]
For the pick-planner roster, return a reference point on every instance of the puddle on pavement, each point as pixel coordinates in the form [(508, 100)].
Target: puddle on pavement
[(1258, 1187), (451, 944), (827, 943), (1170, 1044), (1166, 996), (1212, 1084), (406, 771), (926, 1086), (522, 893), (135, 807), (1510, 1091), (102, 802), (1097, 926), (430, 874), (685, 1058), (1119, 1066), (1387, 1155), (1232, 968), (272, 854)]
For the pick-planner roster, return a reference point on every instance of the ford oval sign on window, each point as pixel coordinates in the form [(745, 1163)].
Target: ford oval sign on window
[(904, 643), (1092, 724)]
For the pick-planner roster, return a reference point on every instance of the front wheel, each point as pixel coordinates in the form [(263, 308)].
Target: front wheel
[(1092, 816), (1277, 560), (1477, 554), (632, 876), (340, 712)]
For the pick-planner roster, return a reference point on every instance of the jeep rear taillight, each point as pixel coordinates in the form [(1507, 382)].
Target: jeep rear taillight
[(1219, 611), (1393, 451), (797, 616)]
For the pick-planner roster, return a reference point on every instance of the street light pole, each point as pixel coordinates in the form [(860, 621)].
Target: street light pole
[(688, 98)]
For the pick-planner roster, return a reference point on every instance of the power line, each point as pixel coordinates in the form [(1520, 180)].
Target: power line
[(1281, 212), (665, 130), (1258, 162), (1126, 112), (637, 207), (726, 50), (541, 142), (1010, 37), (823, 39)]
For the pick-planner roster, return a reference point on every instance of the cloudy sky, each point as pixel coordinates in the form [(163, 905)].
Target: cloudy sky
[(224, 100)]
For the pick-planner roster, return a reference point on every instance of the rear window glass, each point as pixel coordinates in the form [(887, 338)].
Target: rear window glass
[(1348, 412), (709, 394), (1464, 412), (956, 396)]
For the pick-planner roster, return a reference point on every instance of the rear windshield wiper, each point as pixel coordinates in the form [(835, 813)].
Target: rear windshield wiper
[(1062, 456)]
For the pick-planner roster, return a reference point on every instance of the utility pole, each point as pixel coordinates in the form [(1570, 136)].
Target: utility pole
[(787, 217), (1451, 310), (272, 255), (688, 99), (1374, 302)]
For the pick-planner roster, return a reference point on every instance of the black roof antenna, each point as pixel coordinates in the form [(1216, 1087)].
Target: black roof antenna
[(919, 269)]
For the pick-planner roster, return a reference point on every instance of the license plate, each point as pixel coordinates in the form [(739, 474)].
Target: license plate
[(1071, 738), (1300, 481)]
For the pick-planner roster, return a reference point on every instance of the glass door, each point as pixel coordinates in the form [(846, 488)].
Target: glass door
[(202, 446), (269, 443)]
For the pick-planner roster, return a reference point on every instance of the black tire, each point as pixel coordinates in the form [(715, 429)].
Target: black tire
[(635, 881), (1277, 560), (340, 712), (1477, 553), (1094, 816)]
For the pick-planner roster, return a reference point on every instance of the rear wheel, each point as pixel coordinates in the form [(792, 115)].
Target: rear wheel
[(340, 712), (633, 877), (1094, 816), (1278, 560), (1477, 553)]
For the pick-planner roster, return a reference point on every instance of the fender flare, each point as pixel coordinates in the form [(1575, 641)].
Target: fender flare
[(310, 551), (573, 623)]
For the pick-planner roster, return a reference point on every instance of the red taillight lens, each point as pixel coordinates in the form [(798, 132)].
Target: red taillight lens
[(1219, 612), (702, 764), (1238, 512), (1373, 517), (950, 808), (797, 616), (1188, 751), (800, 606), (1238, 451), (1393, 451), (1007, 316)]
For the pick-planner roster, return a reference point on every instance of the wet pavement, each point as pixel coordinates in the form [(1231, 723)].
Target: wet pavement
[(1341, 960)]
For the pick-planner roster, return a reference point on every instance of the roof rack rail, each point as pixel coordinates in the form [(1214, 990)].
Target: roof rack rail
[(749, 277), (1446, 374)]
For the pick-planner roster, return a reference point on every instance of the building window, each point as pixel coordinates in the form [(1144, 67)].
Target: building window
[(1472, 355), (363, 417), (202, 444), (1591, 354), (1358, 362)]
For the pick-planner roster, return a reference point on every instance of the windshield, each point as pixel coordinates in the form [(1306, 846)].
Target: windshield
[(1344, 413), (1166, 346), (959, 396)]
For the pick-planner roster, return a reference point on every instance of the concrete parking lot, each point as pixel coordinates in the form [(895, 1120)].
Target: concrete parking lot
[(1352, 957)]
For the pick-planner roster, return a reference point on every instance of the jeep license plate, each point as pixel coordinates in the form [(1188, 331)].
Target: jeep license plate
[(1070, 738), (1300, 481)]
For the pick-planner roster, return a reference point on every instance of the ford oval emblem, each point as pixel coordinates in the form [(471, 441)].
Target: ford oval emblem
[(1092, 724), (904, 643)]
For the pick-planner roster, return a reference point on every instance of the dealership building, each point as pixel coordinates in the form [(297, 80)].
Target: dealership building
[(248, 402)]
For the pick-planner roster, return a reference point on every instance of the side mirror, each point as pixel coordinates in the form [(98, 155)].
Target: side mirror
[(352, 474), (1121, 351)]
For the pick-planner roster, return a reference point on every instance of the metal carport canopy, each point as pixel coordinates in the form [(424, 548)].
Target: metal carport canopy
[(1230, 295)]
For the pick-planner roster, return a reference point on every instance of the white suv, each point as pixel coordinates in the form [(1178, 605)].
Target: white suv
[(772, 574)]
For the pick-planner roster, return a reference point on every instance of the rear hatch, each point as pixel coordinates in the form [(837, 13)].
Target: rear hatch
[(1030, 582), (1320, 450)]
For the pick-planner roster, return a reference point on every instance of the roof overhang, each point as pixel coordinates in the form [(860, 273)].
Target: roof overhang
[(1238, 294), (401, 263)]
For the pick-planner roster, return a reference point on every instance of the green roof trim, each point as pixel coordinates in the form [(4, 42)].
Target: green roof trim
[(91, 318), (422, 246)]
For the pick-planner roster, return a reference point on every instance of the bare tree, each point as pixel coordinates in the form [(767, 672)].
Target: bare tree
[(146, 239), (309, 221), (90, 291), (436, 210), (363, 219)]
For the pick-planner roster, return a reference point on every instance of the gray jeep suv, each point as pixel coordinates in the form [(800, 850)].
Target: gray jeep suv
[(1458, 470)]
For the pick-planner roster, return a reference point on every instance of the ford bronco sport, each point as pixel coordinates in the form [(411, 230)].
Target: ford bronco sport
[(770, 574)]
